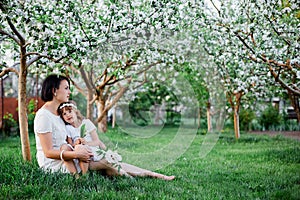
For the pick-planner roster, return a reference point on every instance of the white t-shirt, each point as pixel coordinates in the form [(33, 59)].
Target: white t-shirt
[(46, 122)]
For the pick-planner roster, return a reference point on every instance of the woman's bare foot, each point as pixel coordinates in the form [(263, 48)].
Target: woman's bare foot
[(161, 176), (168, 178)]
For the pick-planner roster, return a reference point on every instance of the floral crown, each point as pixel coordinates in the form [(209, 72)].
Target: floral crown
[(67, 105)]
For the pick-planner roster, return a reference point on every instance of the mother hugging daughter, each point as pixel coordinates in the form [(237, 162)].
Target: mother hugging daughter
[(55, 154)]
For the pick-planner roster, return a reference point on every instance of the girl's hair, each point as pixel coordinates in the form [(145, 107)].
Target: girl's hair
[(66, 106), (50, 83)]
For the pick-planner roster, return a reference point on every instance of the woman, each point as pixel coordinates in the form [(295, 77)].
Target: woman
[(75, 123), (53, 153)]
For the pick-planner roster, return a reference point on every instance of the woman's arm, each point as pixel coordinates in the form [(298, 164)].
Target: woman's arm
[(47, 146)]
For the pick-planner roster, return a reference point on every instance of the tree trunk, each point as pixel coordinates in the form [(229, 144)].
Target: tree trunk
[(157, 115), (22, 107), (89, 105), (220, 120), (199, 118), (106, 108), (113, 123), (236, 122), (208, 114), (235, 105), (295, 103), (102, 124)]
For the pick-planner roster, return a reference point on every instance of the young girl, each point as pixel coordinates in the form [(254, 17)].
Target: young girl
[(75, 123)]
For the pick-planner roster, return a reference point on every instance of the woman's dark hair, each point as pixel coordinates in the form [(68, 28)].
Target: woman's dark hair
[(50, 83)]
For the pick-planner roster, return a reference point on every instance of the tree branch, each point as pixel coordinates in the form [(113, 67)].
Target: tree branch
[(39, 56), (85, 78), (7, 70), (282, 82), (276, 31), (214, 5), (81, 90), (2, 32), (13, 28), (114, 101)]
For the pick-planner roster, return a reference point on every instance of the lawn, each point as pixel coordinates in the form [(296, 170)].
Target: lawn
[(254, 167)]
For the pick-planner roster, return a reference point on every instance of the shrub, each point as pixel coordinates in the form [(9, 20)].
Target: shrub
[(246, 118), (10, 125), (31, 114), (270, 117)]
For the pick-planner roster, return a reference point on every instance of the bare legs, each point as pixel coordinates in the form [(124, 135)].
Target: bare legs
[(84, 167), (99, 165), (137, 171), (125, 170), (109, 169), (70, 165)]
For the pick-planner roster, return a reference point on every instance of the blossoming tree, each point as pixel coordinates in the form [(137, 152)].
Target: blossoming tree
[(28, 32), (40, 31), (130, 49), (65, 32), (265, 33), (250, 42)]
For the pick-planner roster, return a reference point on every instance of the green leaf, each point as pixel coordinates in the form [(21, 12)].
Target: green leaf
[(82, 131)]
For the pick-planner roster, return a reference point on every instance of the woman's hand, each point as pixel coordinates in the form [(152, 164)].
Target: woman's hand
[(83, 154)]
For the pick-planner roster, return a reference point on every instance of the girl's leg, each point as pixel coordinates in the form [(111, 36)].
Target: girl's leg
[(137, 171), (69, 163), (84, 167)]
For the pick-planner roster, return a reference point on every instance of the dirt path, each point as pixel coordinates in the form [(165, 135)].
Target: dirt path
[(289, 134)]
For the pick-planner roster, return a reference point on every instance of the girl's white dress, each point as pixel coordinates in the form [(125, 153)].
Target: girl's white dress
[(46, 122), (74, 133)]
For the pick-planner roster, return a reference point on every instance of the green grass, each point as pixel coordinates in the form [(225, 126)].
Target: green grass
[(254, 167)]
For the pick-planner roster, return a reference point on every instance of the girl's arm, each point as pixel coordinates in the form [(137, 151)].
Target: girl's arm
[(70, 141), (95, 140)]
